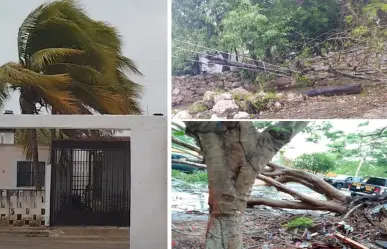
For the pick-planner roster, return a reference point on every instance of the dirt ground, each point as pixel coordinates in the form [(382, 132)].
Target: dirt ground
[(263, 228), (257, 227), (371, 104)]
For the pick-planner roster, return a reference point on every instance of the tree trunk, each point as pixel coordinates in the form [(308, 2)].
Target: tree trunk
[(28, 107), (53, 137), (359, 166), (35, 159), (338, 90), (224, 231), (227, 58), (235, 153)]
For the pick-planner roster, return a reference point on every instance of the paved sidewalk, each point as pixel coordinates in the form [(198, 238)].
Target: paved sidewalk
[(20, 242), (77, 233)]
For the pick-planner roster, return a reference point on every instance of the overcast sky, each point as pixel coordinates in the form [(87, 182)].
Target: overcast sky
[(142, 24)]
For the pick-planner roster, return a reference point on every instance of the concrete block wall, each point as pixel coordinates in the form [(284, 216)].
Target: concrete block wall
[(22, 207)]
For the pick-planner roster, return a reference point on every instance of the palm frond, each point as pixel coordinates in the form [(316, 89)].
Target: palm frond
[(128, 65), (79, 59), (48, 56), (60, 99), (18, 76), (24, 31), (4, 92), (81, 73)]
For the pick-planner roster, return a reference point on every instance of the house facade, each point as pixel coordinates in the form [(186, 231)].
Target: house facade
[(20, 204)]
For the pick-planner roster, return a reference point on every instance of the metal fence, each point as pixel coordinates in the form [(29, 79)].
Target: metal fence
[(90, 183)]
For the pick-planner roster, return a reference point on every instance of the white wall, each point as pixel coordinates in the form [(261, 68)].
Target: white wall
[(10, 154), (149, 166)]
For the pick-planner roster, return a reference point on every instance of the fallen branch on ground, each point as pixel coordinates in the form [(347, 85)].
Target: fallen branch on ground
[(338, 90)]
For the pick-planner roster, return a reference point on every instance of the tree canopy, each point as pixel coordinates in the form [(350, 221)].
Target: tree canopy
[(315, 162), (271, 30), (70, 64)]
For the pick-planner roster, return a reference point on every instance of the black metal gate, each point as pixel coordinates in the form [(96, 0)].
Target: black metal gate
[(90, 183)]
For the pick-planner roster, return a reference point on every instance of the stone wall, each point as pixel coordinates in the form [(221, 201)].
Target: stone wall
[(188, 88), (357, 63), (22, 207)]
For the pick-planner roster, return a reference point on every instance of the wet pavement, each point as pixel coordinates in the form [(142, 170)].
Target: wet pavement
[(21, 242)]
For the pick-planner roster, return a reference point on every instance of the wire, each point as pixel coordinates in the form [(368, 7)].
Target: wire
[(211, 49), (247, 67), (250, 69), (228, 60)]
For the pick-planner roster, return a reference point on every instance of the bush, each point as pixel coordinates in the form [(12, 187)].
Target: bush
[(315, 162)]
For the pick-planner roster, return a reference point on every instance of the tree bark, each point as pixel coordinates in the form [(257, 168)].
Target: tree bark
[(338, 90), (235, 153), (224, 231)]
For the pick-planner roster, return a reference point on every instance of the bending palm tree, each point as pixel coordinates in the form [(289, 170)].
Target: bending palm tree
[(69, 64)]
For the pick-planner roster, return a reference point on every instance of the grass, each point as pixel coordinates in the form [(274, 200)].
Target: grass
[(303, 81), (260, 103), (197, 177), (300, 222), (196, 108), (255, 103)]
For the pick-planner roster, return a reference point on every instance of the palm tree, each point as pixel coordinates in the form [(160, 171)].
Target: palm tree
[(69, 64)]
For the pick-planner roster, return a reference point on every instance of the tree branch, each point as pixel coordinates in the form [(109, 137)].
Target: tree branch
[(186, 145), (323, 206), (196, 165), (311, 181), (188, 152), (287, 190)]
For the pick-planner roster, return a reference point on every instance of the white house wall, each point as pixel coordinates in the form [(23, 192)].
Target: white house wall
[(9, 156)]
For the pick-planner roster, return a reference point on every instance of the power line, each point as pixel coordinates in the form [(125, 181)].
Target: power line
[(219, 51), (250, 69), (247, 67)]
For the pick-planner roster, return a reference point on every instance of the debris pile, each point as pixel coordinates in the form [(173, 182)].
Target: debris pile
[(363, 227)]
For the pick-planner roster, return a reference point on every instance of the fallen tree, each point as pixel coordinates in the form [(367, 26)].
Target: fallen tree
[(276, 175), (336, 201), (337, 90)]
